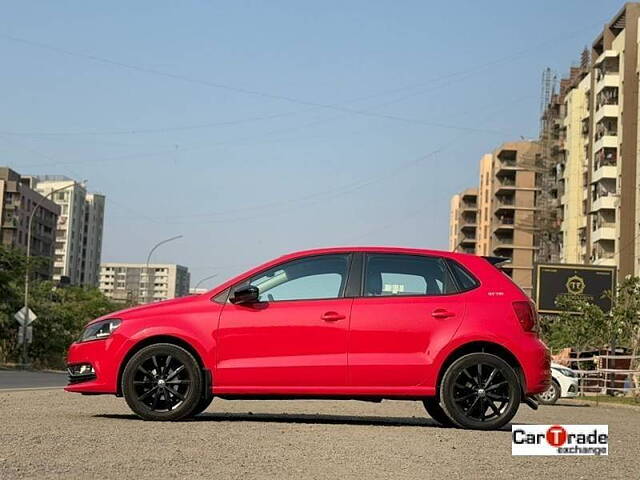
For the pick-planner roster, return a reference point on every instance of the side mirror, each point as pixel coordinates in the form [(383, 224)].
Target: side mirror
[(248, 294)]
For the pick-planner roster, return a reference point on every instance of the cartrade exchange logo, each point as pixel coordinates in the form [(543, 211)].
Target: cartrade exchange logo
[(560, 440)]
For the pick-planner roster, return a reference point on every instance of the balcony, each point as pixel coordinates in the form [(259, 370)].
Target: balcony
[(605, 202), (504, 224), (607, 79), (604, 172), (607, 232), (505, 203), (468, 207), (607, 140), (505, 185), (11, 222), (467, 240), (610, 111), (506, 165)]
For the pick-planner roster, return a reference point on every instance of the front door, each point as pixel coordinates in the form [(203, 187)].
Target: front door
[(295, 337), (408, 311)]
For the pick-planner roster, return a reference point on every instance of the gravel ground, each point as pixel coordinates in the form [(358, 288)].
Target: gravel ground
[(53, 434)]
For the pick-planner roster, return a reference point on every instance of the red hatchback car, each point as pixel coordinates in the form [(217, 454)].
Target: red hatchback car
[(448, 329)]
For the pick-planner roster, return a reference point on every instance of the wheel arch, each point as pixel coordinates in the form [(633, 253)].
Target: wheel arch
[(173, 340), (482, 346)]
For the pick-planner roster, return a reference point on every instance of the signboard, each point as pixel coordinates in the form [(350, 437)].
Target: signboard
[(556, 280), (21, 316)]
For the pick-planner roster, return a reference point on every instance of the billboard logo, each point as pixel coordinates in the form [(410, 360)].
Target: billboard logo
[(560, 440), (575, 285)]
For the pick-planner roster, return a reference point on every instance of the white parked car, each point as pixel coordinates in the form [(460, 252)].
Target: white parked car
[(564, 383)]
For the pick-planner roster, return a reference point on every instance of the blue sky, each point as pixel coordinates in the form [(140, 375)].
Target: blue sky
[(255, 128)]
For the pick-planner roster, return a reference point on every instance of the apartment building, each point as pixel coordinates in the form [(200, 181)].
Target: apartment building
[(79, 231), (17, 201), (141, 283), (463, 221), (573, 166), (92, 239), (485, 205), (614, 143), (506, 205), (595, 150)]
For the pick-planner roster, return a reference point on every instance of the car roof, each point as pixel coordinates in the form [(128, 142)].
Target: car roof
[(379, 249)]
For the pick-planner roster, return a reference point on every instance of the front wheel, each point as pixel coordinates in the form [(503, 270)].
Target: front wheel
[(480, 391), (550, 395), (162, 382)]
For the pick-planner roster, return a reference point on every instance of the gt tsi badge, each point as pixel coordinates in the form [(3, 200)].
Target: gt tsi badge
[(559, 440)]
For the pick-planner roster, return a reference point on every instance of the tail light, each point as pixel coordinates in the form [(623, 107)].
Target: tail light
[(527, 315)]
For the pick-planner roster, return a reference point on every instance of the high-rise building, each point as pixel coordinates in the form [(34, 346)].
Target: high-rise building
[(92, 239), (79, 229), (572, 176), (141, 283), (485, 205), (592, 144), (506, 205), (17, 201), (463, 221)]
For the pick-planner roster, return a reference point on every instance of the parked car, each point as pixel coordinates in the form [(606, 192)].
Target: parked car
[(564, 383), (449, 329)]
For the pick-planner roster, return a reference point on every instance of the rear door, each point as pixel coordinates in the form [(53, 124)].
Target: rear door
[(409, 309)]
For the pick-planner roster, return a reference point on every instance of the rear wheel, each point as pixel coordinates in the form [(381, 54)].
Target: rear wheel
[(550, 395), (480, 391), (435, 411), (162, 382)]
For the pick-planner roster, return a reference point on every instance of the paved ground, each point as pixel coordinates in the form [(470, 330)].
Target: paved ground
[(11, 379), (53, 434)]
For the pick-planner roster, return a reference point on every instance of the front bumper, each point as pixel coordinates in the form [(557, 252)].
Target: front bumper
[(571, 389), (104, 377)]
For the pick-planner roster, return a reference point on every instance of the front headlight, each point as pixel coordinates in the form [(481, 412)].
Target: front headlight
[(99, 330)]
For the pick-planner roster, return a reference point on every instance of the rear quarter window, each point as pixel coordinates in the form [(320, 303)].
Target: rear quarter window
[(465, 280)]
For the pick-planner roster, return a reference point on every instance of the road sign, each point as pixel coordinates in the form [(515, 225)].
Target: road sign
[(21, 316), (29, 334)]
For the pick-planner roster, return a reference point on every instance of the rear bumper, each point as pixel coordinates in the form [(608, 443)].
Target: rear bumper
[(535, 360)]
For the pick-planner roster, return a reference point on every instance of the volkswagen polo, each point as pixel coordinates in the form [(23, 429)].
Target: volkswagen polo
[(450, 330)]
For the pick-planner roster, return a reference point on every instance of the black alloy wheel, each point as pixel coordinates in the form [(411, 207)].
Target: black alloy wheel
[(162, 382), (480, 391)]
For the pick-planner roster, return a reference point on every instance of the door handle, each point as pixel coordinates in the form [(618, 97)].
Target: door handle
[(441, 313), (332, 316)]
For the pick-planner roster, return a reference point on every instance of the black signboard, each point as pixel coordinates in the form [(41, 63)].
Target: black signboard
[(555, 280)]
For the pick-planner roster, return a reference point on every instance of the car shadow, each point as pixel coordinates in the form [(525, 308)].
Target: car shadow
[(310, 419)]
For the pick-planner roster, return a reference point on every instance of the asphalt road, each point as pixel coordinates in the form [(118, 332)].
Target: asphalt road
[(20, 379), (54, 434)]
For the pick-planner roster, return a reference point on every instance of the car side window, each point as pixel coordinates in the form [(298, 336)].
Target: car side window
[(465, 280), (393, 274), (309, 278)]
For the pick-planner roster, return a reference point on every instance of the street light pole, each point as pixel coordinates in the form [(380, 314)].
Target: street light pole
[(151, 253), (205, 279), (26, 274)]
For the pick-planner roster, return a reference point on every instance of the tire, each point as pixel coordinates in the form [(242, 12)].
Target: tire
[(162, 382), (204, 403), (480, 391), (435, 411), (550, 395)]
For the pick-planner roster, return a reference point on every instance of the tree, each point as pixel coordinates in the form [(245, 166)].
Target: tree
[(580, 325), (62, 312)]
